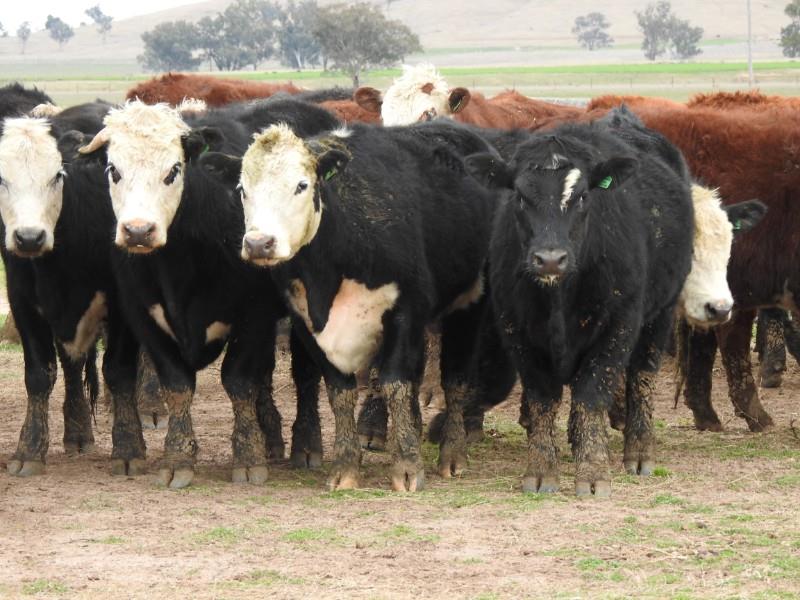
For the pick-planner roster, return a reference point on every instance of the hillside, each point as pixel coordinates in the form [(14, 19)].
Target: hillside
[(477, 32)]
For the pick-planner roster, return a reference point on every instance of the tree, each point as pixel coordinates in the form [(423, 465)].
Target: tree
[(665, 31), (23, 33), (358, 36), (590, 31), (298, 48), (59, 30), (170, 46), (790, 35), (101, 20)]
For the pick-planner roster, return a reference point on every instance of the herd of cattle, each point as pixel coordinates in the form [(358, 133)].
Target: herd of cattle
[(550, 242)]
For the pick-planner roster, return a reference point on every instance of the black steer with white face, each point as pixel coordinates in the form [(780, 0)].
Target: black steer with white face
[(588, 257)]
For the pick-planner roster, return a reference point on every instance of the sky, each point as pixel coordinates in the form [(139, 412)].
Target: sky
[(14, 12)]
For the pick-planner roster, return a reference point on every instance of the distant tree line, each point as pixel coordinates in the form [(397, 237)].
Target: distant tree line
[(342, 37)]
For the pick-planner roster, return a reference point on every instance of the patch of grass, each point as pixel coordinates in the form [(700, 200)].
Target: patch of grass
[(667, 499), (788, 481), (666, 578), (701, 509), (600, 568), (111, 540), (740, 518), (785, 566), (661, 472), (219, 535), (96, 503), (406, 533), (305, 535), (355, 494), (262, 578), (44, 586), (487, 596), (526, 501)]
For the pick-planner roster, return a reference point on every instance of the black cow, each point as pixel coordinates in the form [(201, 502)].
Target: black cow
[(372, 233), (189, 297), (17, 100), (56, 232), (589, 254)]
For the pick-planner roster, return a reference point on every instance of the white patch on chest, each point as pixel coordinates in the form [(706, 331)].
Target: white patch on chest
[(157, 313), (88, 328), (354, 330), (471, 296), (217, 331)]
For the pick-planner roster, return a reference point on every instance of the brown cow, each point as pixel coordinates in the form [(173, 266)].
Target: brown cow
[(348, 111), (748, 99), (421, 93), (610, 101), (172, 88)]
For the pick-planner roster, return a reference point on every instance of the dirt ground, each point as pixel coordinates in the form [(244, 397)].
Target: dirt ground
[(720, 518)]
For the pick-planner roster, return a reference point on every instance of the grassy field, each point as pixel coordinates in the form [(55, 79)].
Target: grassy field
[(74, 84)]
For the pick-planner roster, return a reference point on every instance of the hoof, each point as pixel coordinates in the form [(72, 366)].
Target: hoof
[(407, 477), (134, 466), (637, 467), (373, 441), (276, 452), (452, 463), (546, 484), (304, 459), (253, 475), (25, 468), (773, 380), (708, 426), (76, 448), (760, 422), (343, 479), (175, 479), (599, 489)]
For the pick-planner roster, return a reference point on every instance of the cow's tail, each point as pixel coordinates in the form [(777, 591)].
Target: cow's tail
[(91, 381)]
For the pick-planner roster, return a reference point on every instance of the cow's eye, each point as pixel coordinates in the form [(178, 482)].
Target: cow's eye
[(112, 171), (301, 187), (173, 173), (240, 189), (2, 182), (59, 177)]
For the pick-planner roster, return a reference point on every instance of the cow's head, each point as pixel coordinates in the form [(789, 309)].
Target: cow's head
[(31, 185), (148, 148), (279, 179), (551, 192), (420, 94), (706, 299)]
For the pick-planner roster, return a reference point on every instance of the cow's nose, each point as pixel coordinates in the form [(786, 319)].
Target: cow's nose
[(138, 233), (29, 239), (428, 115), (550, 262), (719, 311), (258, 245)]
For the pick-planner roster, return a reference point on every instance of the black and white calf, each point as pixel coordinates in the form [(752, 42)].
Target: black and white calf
[(186, 292), (371, 233), (56, 224), (589, 255)]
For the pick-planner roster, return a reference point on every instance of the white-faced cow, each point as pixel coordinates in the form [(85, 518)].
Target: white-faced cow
[(371, 233), (56, 249), (187, 293)]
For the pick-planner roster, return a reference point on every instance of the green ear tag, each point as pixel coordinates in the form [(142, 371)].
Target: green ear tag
[(330, 174), (606, 183), (205, 149), (737, 226)]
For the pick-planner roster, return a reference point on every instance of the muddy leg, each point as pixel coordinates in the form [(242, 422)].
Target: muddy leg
[(616, 414), (407, 472), (78, 436), (698, 358), (346, 448), (734, 341), (587, 430), (247, 439), (541, 472), (373, 416), (149, 395), (772, 350), (453, 441), (639, 453), (270, 422), (180, 446), (306, 434)]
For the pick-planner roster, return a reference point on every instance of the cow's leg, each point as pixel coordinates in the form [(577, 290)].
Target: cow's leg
[(119, 371), (791, 335), (40, 376), (461, 334), (771, 347), (149, 395), (698, 362), (373, 416), (246, 368), (78, 436), (306, 433), (402, 361), (638, 455), (734, 343), (269, 419), (541, 399)]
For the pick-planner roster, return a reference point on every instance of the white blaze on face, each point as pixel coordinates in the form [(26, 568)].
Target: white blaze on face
[(31, 190), (419, 90), (144, 147), (569, 185), (707, 283), (278, 184)]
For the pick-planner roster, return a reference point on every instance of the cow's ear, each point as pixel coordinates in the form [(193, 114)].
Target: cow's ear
[(490, 170), (69, 142), (458, 99), (330, 163), (612, 173), (745, 215), (369, 99), (201, 140), (222, 167)]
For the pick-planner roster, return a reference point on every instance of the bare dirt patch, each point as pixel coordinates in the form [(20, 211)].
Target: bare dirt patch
[(720, 519)]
